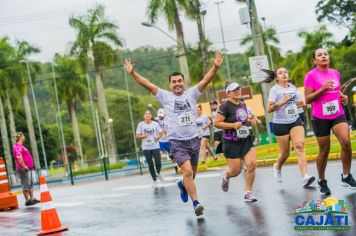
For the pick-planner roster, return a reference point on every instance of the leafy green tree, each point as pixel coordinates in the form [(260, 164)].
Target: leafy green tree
[(170, 10), (23, 50), (340, 13), (95, 37), (320, 38), (71, 90), (5, 51)]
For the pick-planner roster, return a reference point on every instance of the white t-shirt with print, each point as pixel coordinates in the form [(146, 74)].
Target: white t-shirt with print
[(203, 121), (164, 127), (152, 130), (287, 113), (180, 113)]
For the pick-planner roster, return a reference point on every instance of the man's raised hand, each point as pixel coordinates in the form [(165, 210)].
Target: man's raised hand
[(218, 59), (129, 65)]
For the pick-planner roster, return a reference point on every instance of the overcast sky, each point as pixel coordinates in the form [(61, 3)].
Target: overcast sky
[(44, 23)]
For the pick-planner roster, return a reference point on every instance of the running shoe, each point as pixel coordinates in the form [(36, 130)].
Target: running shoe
[(198, 209), (160, 177), (183, 191), (308, 180), (29, 203), (349, 181), (249, 197), (323, 185), (154, 184), (277, 174), (35, 201), (224, 182)]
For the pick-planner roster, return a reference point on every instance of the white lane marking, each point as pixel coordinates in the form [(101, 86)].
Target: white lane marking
[(12, 214), (70, 204), (163, 185), (103, 196), (159, 185)]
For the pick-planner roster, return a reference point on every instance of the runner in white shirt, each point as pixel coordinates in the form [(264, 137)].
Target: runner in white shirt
[(179, 105), (163, 142), (204, 123), (150, 132), (283, 102)]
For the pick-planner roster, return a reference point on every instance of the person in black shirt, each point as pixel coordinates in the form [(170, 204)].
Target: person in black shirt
[(235, 118)]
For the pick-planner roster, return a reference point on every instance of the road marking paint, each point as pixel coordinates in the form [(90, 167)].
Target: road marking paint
[(70, 204), (103, 196), (12, 214)]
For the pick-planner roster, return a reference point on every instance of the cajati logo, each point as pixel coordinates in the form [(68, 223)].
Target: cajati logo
[(327, 214)]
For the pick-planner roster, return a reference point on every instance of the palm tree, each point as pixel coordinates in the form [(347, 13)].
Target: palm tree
[(23, 50), (94, 33), (5, 51), (317, 39), (272, 41), (169, 8), (71, 90)]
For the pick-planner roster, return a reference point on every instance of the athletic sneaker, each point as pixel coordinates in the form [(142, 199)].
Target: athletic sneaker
[(308, 180), (183, 191), (35, 201), (154, 184), (249, 197), (224, 182), (277, 174), (198, 209), (160, 177), (349, 181), (323, 185), (29, 203)]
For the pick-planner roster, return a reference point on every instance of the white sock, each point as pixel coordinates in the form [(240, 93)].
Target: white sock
[(345, 176)]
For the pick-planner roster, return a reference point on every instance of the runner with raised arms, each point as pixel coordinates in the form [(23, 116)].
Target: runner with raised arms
[(179, 105)]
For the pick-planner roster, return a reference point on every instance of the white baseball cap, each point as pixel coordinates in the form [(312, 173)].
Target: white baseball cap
[(232, 87), (160, 112)]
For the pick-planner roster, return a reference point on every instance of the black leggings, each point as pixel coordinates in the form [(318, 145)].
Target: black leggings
[(157, 157)]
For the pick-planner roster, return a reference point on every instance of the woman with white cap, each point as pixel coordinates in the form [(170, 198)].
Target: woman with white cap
[(237, 145)]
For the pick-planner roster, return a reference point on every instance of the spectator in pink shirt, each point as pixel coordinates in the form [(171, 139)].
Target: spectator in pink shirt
[(24, 167)]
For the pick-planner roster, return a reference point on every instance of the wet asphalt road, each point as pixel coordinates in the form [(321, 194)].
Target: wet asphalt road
[(130, 206)]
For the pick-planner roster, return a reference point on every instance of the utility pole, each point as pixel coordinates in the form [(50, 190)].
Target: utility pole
[(195, 5), (259, 50), (268, 46), (223, 39)]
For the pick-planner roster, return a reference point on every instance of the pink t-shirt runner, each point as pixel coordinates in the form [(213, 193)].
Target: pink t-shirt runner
[(328, 105), (20, 151)]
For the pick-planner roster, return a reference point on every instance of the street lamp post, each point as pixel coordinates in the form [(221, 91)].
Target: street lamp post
[(131, 117), (223, 39), (182, 55), (37, 116), (63, 149), (269, 48)]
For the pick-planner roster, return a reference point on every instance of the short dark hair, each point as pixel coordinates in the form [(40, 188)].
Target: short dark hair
[(175, 74), (214, 102)]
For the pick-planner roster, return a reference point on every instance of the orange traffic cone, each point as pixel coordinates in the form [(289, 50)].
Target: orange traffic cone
[(49, 218), (8, 200)]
